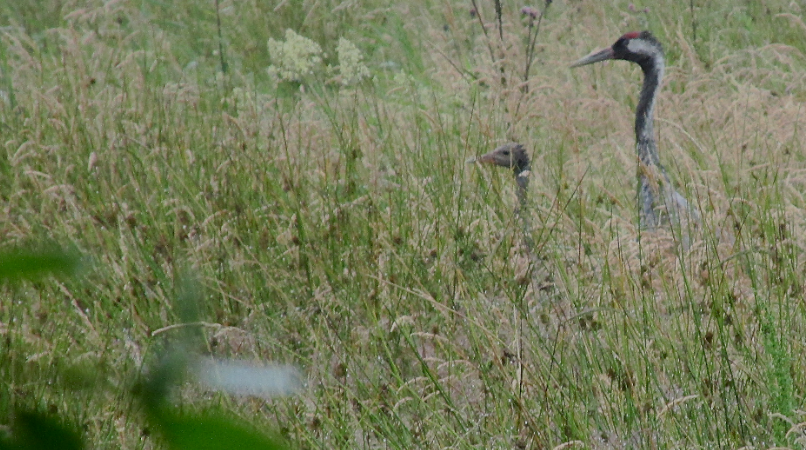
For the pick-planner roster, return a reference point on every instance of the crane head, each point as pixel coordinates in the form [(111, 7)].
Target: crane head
[(639, 47), (512, 156)]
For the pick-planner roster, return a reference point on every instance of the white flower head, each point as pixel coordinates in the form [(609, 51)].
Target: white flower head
[(351, 65), (294, 59)]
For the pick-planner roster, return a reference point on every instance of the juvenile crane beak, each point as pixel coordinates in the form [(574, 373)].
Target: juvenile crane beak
[(487, 158), (596, 56)]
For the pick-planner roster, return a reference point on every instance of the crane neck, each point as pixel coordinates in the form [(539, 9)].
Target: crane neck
[(522, 179), (644, 114)]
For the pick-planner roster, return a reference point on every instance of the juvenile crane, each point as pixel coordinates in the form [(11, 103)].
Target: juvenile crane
[(643, 49), (513, 156)]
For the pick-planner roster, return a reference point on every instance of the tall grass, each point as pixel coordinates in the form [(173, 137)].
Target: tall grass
[(337, 227)]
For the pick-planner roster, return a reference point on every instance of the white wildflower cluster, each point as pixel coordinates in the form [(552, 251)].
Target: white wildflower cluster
[(351, 65), (295, 58), (404, 80), (298, 58)]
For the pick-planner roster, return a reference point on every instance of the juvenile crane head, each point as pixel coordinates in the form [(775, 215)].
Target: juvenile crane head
[(512, 156), (639, 47)]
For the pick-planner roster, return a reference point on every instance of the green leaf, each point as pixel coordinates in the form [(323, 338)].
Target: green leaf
[(35, 431), (209, 432), (31, 264)]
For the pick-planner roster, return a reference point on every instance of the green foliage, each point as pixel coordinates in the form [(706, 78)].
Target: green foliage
[(22, 264), (34, 430), (38, 431), (209, 433)]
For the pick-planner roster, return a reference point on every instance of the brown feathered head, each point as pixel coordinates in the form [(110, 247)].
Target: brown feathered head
[(512, 156)]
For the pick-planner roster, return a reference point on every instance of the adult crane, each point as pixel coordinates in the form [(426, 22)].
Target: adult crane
[(643, 49)]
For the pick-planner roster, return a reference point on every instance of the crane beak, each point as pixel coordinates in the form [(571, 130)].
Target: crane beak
[(599, 55), (485, 159)]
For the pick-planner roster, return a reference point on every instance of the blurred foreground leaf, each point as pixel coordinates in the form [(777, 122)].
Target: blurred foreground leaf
[(34, 430), (31, 264), (209, 432)]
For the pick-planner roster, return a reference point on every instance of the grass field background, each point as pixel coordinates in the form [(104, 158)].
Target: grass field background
[(333, 224)]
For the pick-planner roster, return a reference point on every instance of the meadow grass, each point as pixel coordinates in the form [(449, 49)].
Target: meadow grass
[(335, 226)]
